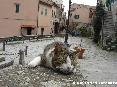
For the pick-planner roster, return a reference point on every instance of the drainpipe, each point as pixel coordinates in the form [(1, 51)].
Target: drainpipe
[(38, 16), (102, 31)]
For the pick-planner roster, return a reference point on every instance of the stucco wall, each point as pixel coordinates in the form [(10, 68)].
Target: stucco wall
[(82, 11), (45, 21), (10, 21)]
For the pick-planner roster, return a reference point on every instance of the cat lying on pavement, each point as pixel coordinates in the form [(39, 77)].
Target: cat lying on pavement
[(58, 57)]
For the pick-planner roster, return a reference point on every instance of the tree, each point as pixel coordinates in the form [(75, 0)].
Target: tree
[(98, 21)]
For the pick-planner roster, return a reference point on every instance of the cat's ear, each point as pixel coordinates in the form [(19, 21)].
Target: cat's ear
[(82, 50), (58, 47), (76, 49)]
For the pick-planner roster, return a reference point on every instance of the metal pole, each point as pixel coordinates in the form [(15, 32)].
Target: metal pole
[(26, 50), (66, 35), (102, 31), (3, 45)]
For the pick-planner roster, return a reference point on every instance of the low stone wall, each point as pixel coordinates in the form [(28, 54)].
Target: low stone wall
[(6, 64), (2, 59)]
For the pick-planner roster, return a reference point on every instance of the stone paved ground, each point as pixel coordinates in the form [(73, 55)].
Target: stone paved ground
[(18, 76), (97, 65)]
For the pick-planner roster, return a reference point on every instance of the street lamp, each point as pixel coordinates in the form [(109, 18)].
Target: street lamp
[(66, 35)]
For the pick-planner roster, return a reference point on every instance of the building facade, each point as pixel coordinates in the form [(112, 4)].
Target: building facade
[(34, 17), (45, 24), (80, 14), (18, 17), (58, 17)]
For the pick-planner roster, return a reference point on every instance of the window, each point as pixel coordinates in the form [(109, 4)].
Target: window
[(60, 19), (52, 13), (42, 12), (70, 14), (76, 16), (17, 8), (45, 12)]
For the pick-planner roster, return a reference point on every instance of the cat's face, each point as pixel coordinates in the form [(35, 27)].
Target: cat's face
[(64, 60), (67, 67)]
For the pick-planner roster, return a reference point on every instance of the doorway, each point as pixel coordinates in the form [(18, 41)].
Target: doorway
[(29, 30), (42, 31), (56, 28)]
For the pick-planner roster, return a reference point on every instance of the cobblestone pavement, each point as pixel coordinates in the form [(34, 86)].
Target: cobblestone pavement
[(18, 76), (97, 65)]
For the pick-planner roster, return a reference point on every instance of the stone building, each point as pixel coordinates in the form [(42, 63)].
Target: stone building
[(109, 29)]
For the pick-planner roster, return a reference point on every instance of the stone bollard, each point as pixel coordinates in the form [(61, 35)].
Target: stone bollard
[(3, 45), (21, 59), (26, 50)]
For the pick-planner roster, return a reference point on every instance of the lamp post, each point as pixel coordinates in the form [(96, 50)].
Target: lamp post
[(66, 35)]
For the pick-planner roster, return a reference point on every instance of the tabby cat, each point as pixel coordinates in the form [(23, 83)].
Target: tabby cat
[(57, 56)]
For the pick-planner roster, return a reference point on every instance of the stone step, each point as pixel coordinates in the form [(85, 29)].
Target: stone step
[(5, 64), (110, 27), (108, 20), (2, 59), (108, 24), (108, 14), (107, 32), (108, 17)]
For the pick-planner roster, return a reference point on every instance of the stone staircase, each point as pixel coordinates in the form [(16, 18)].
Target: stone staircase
[(5, 63), (108, 27)]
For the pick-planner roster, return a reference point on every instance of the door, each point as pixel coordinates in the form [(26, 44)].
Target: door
[(42, 31), (29, 31), (56, 27)]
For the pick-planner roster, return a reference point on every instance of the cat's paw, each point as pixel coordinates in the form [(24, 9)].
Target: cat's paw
[(35, 62)]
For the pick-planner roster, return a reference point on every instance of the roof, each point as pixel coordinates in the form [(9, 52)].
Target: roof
[(46, 2)]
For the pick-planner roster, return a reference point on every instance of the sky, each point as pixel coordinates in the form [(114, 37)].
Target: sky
[(86, 2)]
